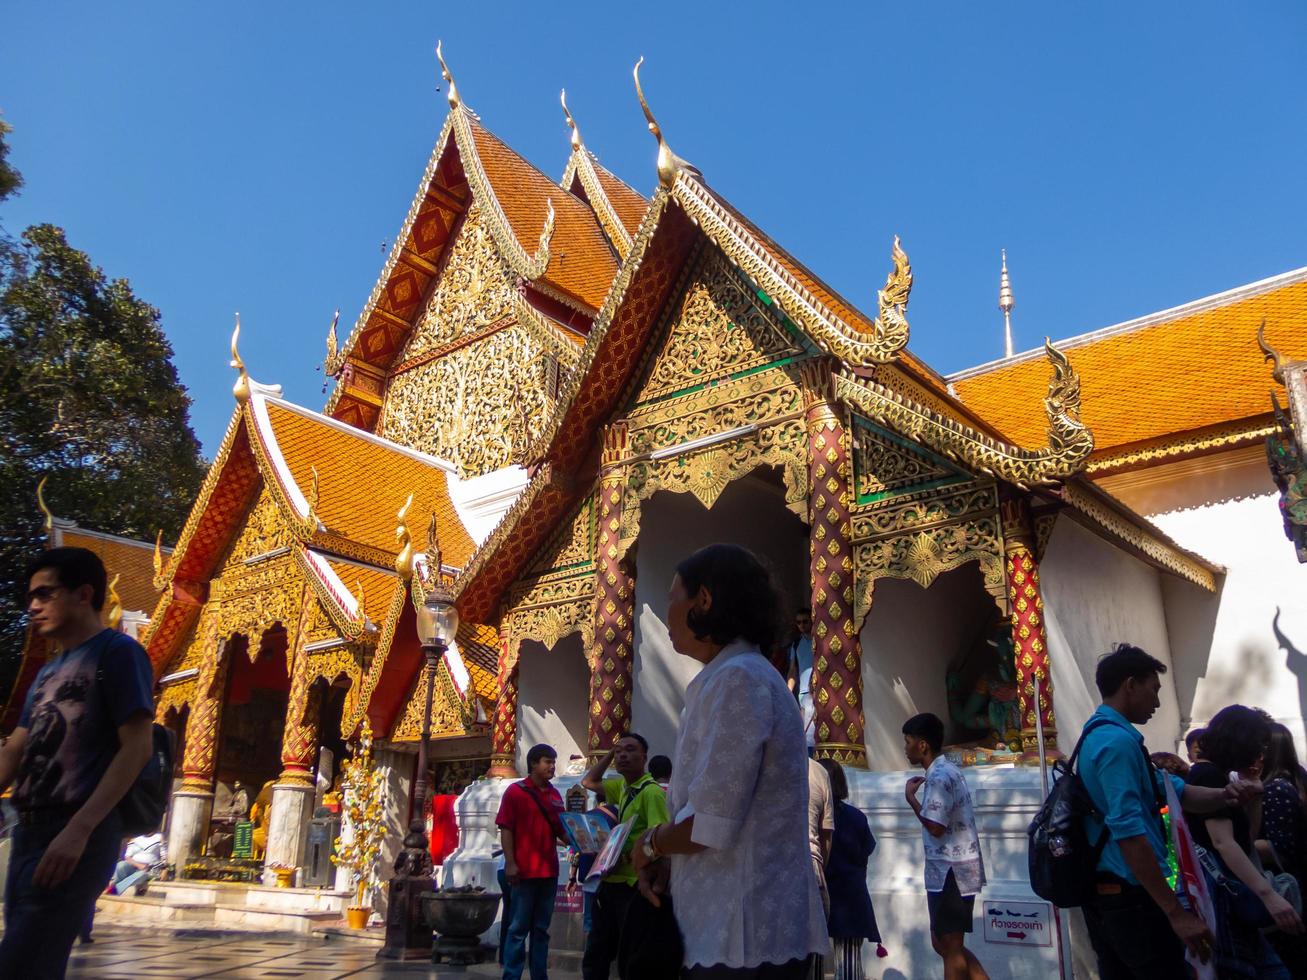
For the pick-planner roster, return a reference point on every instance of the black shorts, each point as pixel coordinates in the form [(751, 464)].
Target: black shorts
[(949, 911)]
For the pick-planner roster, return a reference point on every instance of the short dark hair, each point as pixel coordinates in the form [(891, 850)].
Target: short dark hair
[(73, 567), (928, 727), (1235, 737), (538, 752), (839, 783), (660, 767), (744, 601), (1195, 736), (1123, 663), (644, 744)]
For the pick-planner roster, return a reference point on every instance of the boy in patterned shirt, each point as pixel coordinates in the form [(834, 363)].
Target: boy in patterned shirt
[(955, 872)]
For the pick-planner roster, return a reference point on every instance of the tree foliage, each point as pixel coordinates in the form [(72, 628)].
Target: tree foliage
[(88, 397), (10, 179)]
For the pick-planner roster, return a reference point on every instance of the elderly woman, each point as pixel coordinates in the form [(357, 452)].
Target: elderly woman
[(741, 877)]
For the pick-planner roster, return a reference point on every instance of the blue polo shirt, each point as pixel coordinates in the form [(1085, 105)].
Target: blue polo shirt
[(1120, 784)]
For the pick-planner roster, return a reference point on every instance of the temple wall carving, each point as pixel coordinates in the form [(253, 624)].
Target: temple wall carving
[(474, 384)]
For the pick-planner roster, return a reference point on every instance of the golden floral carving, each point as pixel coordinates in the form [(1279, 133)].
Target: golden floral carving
[(450, 715)]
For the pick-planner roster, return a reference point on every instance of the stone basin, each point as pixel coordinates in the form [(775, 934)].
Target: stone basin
[(459, 914)]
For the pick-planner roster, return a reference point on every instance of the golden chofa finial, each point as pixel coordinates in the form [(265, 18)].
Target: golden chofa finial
[(332, 344), (48, 523), (158, 554), (241, 389), (567, 114), (404, 560), (114, 602), (669, 164), (1007, 303), (451, 90)]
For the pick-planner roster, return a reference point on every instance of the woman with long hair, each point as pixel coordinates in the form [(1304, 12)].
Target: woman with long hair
[(1236, 741), (736, 851), (852, 918), (1282, 840)]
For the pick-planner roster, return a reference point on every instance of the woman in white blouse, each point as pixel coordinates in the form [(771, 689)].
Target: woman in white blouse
[(741, 878)]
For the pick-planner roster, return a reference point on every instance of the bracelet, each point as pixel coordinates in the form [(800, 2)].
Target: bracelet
[(653, 842)]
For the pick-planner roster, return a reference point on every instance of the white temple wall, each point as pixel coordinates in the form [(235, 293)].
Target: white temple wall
[(1226, 509), (1096, 596), (909, 638), (751, 513), (553, 693)]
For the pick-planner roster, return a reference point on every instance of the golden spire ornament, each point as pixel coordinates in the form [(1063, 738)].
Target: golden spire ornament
[(158, 554), (114, 602), (1006, 303), (241, 389), (669, 164), (567, 114), (451, 90), (332, 344), (48, 522), (404, 560)]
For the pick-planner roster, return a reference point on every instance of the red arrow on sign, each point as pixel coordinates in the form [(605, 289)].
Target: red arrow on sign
[(1016, 935)]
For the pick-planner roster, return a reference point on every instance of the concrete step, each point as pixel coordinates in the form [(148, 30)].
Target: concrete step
[(271, 920), (151, 908)]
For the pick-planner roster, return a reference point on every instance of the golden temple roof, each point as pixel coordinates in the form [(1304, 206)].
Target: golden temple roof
[(1163, 385)]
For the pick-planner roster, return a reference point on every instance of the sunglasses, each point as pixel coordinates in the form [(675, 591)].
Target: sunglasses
[(43, 593)]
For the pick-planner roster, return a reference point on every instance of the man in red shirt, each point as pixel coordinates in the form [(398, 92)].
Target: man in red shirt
[(529, 825)]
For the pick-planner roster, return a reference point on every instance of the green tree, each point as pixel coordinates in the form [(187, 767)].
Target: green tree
[(88, 397), (10, 179)]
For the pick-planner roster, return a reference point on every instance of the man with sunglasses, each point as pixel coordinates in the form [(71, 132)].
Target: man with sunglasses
[(82, 739)]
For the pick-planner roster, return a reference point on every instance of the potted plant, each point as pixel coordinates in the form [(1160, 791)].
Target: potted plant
[(363, 788)]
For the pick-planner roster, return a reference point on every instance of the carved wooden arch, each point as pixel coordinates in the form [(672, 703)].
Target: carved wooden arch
[(549, 623)]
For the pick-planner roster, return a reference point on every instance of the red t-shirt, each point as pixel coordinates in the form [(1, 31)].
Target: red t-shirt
[(533, 833)]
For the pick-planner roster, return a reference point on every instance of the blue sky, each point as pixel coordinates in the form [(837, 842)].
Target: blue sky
[(234, 156)]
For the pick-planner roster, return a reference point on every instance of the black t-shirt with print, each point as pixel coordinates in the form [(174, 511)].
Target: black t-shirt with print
[(1208, 774), (72, 719)]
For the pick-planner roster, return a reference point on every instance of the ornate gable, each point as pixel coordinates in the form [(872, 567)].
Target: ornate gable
[(721, 330)]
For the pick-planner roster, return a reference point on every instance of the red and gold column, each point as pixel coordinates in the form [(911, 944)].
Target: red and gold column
[(1029, 635), (613, 656), (299, 737), (836, 653), (192, 803), (503, 728)]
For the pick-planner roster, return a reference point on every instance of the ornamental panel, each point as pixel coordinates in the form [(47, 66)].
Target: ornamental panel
[(479, 407), (263, 530), (720, 330), (450, 715)]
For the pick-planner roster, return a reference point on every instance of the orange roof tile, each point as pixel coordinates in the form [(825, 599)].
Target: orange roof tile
[(363, 481), (581, 263), (374, 585), (1173, 372), (628, 203), (131, 561), (479, 646)]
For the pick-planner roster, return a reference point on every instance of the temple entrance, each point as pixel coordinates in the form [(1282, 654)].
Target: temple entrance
[(750, 512), (934, 650), (249, 742), (553, 695)]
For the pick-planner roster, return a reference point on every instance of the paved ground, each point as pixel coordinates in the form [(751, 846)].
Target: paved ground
[(127, 953)]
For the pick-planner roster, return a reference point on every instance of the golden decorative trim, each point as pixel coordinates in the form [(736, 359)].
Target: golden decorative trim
[(1070, 442), (853, 346), (174, 697), (48, 524), (1104, 512), (1233, 436), (527, 266), (581, 166), (241, 389), (360, 695)]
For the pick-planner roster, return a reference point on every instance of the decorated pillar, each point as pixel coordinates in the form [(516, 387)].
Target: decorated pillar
[(292, 796), (836, 652), (612, 656), (1029, 636), (503, 729), (192, 803)]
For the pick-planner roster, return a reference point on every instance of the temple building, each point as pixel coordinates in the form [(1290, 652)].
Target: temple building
[(563, 387)]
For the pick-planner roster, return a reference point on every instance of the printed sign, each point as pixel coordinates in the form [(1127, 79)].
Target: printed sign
[(1018, 923)]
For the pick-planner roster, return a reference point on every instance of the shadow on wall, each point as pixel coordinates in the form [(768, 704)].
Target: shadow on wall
[(1191, 614), (1295, 661)]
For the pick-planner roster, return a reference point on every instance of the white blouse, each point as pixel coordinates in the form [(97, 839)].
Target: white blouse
[(742, 771)]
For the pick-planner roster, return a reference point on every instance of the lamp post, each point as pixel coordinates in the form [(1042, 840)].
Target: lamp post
[(407, 934)]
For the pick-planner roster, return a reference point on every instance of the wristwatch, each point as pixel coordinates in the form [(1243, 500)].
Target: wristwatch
[(648, 846)]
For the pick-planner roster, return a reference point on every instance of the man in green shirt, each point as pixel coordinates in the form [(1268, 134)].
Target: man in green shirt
[(632, 794)]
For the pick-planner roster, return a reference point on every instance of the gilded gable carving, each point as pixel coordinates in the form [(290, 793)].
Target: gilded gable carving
[(263, 531), (475, 290), (571, 545), (884, 466), (720, 329), (478, 407)]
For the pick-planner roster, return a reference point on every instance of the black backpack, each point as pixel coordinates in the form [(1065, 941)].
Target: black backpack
[(144, 804), (1063, 863)]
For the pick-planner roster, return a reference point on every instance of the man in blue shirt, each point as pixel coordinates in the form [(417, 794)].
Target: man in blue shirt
[(83, 738), (1136, 923)]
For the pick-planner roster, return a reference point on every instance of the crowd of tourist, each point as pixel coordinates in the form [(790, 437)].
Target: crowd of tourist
[(740, 858)]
